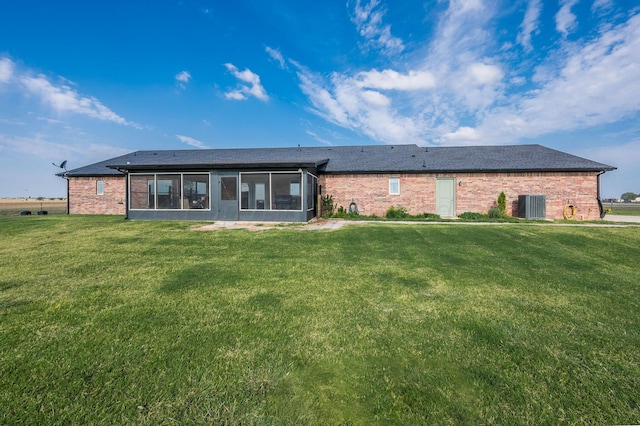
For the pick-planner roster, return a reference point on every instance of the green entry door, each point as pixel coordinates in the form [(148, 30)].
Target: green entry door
[(446, 197)]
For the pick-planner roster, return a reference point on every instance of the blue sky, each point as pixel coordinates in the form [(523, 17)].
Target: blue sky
[(85, 81)]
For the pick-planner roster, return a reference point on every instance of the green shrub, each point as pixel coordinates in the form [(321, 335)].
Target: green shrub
[(343, 213), (471, 216), (398, 212), (327, 206), (494, 213), (502, 204)]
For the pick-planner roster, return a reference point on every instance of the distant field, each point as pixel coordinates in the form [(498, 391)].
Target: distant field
[(13, 206), (626, 209)]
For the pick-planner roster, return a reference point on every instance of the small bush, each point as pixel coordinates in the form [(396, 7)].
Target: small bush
[(494, 213), (327, 207), (502, 204), (471, 216), (343, 213), (432, 216), (398, 212)]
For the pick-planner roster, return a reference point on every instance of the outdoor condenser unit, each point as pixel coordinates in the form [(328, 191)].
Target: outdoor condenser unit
[(532, 206)]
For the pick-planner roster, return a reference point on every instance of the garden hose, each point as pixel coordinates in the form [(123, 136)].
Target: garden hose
[(353, 207), (570, 211)]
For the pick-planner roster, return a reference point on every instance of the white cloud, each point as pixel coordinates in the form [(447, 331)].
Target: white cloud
[(49, 120), (471, 5), (325, 105), (375, 99), (42, 146), (464, 57), (318, 138), (463, 135), (354, 102), (253, 87), (183, 76), (485, 73), (344, 101), (63, 98), (191, 141), (393, 80), (236, 95), (30, 158), (368, 20), (566, 21), (464, 87), (517, 80), (530, 24), (276, 55), (461, 35), (6, 69), (601, 5), (598, 84)]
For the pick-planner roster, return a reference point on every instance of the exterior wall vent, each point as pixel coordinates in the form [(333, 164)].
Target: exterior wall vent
[(532, 206)]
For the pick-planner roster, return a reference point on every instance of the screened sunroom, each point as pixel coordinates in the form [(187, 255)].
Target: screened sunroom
[(251, 195)]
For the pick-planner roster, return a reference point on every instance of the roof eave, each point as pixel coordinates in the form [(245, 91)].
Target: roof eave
[(225, 166), (510, 170), (71, 174)]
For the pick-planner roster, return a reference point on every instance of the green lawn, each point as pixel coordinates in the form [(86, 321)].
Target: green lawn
[(107, 321)]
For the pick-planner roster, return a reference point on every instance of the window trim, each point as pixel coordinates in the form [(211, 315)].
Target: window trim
[(391, 181), (99, 187), (314, 193)]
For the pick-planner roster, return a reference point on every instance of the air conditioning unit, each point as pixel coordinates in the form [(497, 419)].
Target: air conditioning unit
[(532, 206)]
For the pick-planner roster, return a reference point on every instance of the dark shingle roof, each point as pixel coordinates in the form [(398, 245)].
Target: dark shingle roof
[(96, 169), (353, 159)]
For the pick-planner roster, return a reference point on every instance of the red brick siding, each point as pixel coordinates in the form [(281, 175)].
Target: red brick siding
[(83, 198), (478, 192), (475, 192), (371, 192)]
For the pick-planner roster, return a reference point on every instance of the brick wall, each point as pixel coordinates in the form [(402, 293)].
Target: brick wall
[(83, 198), (371, 192), (475, 192)]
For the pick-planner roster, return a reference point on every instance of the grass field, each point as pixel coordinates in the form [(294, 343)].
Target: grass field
[(107, 321), (13, 206), (627, 209)]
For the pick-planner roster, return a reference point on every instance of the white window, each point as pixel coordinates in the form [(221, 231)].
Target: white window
[(100, 187), (394, 186)]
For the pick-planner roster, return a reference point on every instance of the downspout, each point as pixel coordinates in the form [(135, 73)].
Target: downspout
[(126, 193), (65, 177), (68, 205), (600, 206), (126, 196)]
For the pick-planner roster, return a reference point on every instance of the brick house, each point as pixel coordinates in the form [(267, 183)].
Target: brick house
[(283, 184)]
